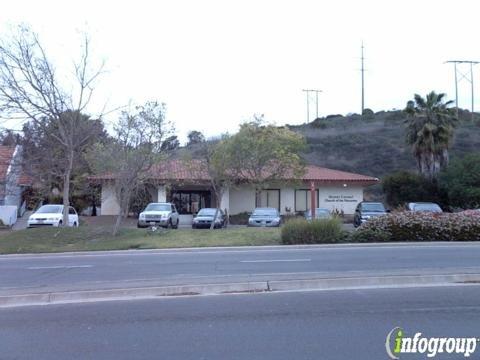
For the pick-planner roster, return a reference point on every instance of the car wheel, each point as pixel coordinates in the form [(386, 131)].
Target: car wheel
[(169, 224), (75, 224), (176, 224), (60, 223)]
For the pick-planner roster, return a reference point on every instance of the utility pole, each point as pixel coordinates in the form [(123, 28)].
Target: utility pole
[(363, 81), (462, 75), (308, 91)]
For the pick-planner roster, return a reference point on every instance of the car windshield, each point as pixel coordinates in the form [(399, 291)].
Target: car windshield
[(373, 207), (207, 212), (319, 212), (158, 207), (265, 212), (427, 207), (50, 209)]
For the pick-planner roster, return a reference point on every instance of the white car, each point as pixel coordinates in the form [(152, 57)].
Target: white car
[(159, 214), (52, 215)]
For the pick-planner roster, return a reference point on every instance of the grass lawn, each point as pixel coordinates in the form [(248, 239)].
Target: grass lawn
[(86, 238)]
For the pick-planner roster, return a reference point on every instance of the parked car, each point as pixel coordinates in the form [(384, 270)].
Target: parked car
[(367, 210), (159, 214), (205, 216), (269, 217), (424, 207), (320, 213), (52, 215)]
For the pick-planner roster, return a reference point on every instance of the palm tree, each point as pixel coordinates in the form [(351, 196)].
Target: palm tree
[(430, 128)]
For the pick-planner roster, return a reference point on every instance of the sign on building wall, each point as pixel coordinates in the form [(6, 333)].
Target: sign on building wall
[(340, 198)]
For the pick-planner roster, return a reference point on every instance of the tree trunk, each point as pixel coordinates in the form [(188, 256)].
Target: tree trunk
[(124, 208), (218, 201), (117, 224), (66, 189)]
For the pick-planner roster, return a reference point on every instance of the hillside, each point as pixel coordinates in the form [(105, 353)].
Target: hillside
[(374, 145)]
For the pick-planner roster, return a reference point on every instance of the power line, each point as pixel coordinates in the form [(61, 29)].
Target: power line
[(308, 91), (468, 76), (363, 80)]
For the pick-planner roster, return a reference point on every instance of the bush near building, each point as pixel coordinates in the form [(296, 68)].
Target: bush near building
[(300, 231), (402, 187), (461, 182), (409, 226)]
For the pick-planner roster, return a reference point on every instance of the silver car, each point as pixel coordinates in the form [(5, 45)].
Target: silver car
[(320, 213), (424, 207), (159, 214), (265, 217)]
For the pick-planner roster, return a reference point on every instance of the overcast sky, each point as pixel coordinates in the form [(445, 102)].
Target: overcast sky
[(216, 63)]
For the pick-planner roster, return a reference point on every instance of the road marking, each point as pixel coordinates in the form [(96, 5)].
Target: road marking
[(275, 260), (58, 267), (266, 249)]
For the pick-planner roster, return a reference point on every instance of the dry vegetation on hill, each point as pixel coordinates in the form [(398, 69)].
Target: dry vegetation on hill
[(374, 145)]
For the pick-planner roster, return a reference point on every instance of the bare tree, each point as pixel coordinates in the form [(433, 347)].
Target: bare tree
[(131, 156), (31, 89)]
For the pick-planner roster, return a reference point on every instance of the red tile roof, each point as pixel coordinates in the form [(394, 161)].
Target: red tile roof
[(177, 170), (6, 154), (317, 173)]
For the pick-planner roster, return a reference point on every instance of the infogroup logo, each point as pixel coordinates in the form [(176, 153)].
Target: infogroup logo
[(397, 343)]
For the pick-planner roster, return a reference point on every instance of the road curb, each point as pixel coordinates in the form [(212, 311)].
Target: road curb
[(425, 244), (66, 297), (373, 282)]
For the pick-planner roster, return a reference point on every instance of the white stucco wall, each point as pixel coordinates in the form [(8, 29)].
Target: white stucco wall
[(8, 214), (110, 204), (225, 203), (242, 199), (340, 198), (287, 200), (162, 194)]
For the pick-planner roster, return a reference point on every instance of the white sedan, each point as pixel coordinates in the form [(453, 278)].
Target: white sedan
[(52, 215)]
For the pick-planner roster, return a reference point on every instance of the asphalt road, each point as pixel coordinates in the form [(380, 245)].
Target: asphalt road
[(104, 270), (302, 325)]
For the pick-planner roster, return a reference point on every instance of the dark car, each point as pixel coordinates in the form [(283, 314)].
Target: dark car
[(265, 217), (367, 210), (424, 207), (205, 216)]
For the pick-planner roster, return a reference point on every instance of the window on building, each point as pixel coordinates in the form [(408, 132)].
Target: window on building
[(302, 200), (269, 198), (190, 202)]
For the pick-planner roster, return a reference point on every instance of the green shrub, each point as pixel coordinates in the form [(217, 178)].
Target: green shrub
[(368, 114), (403, 186), (320, 123), (369, 236), (461, 181), (409, 226), (300, 231)]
